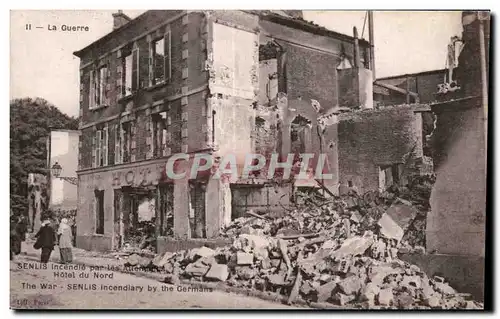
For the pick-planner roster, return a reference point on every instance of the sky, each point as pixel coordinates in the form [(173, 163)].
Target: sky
[(42, 62)]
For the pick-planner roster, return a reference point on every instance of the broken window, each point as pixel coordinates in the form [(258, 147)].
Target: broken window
[(160, 134), (99, 212), (139, 217), (118, 150), (126, 142), (299, 132), (268, 73), (130, 65), (166, 210), (161, 60), (174, 129), (117, 218), (98, 87), (100, 147), (197, 220), (390, 175)]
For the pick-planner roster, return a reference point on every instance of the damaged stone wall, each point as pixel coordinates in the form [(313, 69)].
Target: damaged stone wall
[(311, 75), (259, 198), (457, 223), (233, 120), (232, 51), (369, 140)]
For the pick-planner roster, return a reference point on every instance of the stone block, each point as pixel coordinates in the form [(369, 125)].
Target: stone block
[(329, 244), (255, 241), (307, 288), (411, 282), (369, 292), (404, 300), (277, 279), (200, 252), (245, 272), (163, 260), (266, 263), (144, 262), (172, 279), (402, 213), (275, 262), (389, 228), (342, 299), (350, 285), (343, 266), (432, 301), (325, 278), (243, 258), (133, 260), (356, 217), (218, 272), (325, 291), (353, 246), (444, 288), (196, 269), (261, 253), (377, 274), (169, 268), (385, 297)]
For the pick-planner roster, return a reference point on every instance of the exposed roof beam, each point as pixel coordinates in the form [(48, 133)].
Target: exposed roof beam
[(398, 89)]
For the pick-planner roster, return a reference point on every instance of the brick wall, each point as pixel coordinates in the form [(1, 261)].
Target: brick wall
[(425, 84), (311, 75), (188, 52), (369, 139)]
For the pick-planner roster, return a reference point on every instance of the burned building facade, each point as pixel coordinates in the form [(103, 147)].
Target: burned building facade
[(217, 82)]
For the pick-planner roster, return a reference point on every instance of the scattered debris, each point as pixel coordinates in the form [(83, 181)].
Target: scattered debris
[(341, 250)]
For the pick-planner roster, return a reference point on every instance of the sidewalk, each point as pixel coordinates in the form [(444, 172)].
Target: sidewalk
[(94, 259), (87, 258)]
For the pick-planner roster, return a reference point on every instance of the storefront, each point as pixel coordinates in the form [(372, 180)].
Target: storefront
[(118, 205)]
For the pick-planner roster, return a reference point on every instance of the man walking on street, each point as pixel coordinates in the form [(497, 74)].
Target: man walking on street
[(22, 229), (46, 239)]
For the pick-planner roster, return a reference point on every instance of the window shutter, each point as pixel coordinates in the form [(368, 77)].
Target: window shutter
[(135, 69), (119, 78), (149, 137), (94, 145), (168, 59), (105, 145), (132, 141), (98, 154), (97, 89), (108, 86), (164, 138), (118, 149), (92, 89), (151, 63)]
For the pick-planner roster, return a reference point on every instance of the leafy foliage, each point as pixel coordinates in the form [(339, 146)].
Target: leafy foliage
[(30, 123)]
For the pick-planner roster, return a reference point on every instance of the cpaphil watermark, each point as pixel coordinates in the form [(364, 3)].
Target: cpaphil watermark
[(231, 167)]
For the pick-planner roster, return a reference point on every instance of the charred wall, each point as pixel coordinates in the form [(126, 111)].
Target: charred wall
[(368, 140)]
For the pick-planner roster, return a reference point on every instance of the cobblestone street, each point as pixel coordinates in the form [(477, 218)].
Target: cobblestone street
[(38, 288)]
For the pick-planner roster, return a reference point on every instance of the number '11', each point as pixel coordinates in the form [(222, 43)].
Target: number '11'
[(28, 26)]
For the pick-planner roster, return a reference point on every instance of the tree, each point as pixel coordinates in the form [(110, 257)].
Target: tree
[(30, 123)]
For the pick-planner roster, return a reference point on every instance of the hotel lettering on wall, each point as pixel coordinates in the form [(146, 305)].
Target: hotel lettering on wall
[(138, 176)]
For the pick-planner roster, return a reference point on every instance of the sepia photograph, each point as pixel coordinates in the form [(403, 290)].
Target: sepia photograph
[(249, 159)]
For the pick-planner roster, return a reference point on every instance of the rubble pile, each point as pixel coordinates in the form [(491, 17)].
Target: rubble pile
[(340, 250)]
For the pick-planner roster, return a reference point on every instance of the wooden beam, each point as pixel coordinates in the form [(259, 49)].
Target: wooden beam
[(398, 89)]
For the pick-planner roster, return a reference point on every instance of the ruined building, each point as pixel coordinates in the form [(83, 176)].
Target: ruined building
[(223, 82)]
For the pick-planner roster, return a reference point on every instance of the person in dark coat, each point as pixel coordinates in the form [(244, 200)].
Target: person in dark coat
[(46, 239), (22, 229), (15, 241)]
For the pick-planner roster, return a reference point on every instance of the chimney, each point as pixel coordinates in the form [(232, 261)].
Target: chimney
[(120, 19), (363, 77)]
